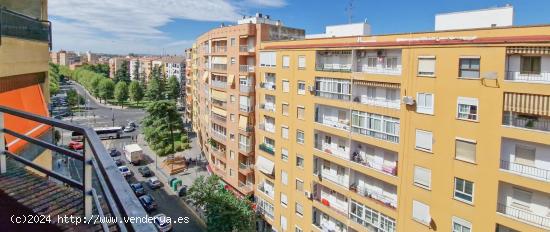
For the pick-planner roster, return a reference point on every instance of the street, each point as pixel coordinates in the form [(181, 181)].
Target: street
[(97, 115)]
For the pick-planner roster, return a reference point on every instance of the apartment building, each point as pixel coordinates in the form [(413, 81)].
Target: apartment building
[(225, 96), (114, 64), (187, 89), (426, 131)]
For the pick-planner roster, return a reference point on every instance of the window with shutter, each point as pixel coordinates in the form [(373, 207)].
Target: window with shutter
[(422, 177), (286, 61), (421, 212), (424, 140), (286, 87), (425, 103), (284, 177), (301, 62), (426, 66), (525, 155), (465, 150), (285, 109), (284, 132), (301, 111)]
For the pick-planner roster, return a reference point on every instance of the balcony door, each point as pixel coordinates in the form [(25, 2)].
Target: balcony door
[(525, 155)]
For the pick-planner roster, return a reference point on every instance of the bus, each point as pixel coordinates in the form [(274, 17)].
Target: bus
[(102, 132)]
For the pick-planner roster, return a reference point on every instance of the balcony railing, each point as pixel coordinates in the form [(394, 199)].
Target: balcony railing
[(247, 129), (246, 88), (377, 102), (336, 96), (246, 48), (337, 124), (246, 68), (270, 192), (247, 187), (329, 204), (219, 49), (266, 148), (371, 163), (526, 170), (246, 108), (268, 85), (268, 106), (13, 24), (246, 167), (387, 201), (542, 77), (531, 122), (269, 127), (376, 134), (333, 67), (524, 215), (219, 67), (218, 135), (99, 174), (246, 148), (378, 70), (219, 84)]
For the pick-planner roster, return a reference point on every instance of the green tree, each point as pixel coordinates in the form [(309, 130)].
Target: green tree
[(106, 89), (72, 98), (121, 92), (174, 88), (94, 85), (54, 76), (224, 211), (135, 72), (122, 73), (154, 92), (162, 124), (135, 91)]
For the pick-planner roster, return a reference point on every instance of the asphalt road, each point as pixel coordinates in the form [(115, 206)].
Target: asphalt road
[(99, 116)]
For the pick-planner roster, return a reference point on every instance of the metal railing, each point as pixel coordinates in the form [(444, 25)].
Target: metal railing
[(524, 215), (246, 88), (542, 77), (246, 68), (533, 123), (387, 201), (363, 68), (526, 170), (267, 149), (336, 96), (219, 84), (219, 49), (246, 167), (247, 129), (246, 48), (118, 196), (333, 67), (13, 24)]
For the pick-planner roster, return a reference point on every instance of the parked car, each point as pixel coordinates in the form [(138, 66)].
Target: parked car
[(114, 152), (125, 171), (138, 189), (145, 171), (148, 202), (183, 191), (154, 183), (132, 124), (118, 162), (128, 129), (162, 223), (74, 145)]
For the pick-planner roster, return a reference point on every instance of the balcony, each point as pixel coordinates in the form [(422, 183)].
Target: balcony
[(268, 127), (523, 204), (218, 84), (331, 144), (525, 170), (246, 68), (102, 190), (385, 62), (541, 77), (524, 215), (369, 217), (219, 151), (333, 88), (332, 117), (13, 24), (532, 122), (219, 67), (218, 118), (245, 148), (219, 49), (334, 61), (377, 94), (246, 89), (267, 188), (246, 108), (525, 158), (332, 199), (220, 136), (246, 187), (246, 168), (377, 126), (268, 106), (375, 189), (267, 148), (324, 222), (268, 85), (246, 48)]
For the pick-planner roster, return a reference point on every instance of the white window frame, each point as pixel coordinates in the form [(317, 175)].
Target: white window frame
[(296, 183), (286, 86), (419, 131), (284, 132), (284, 202), (286, 61), (284, 177), (468, 101), (427, 185), (462, 223), (301, 62), (283, 109), (298, 156), (300, 214), (463, 191), (284, 154), (268, 59), (417, 205), (298, 112), (425, 109), (302, 139), (301, 91)]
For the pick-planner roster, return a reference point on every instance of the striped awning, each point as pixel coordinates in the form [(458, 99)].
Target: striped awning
[(377, 84), (219, 111), (243, 122), (528, 50), (219, 95), (527, 103)]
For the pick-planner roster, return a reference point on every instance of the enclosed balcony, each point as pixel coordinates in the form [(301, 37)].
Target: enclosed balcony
[(384, 61), (525, 205), (267, 187), (331, 199), (377, 94), (374, 157), (333, 88), (525, 158), (246, 84), (529, 67), (268, 124), (370, 187), (324, 222), (218, 81), (17, 25), (246, 104), (269, 81), (332, 117), (218, 132), (334, 61), (245, 144), (375, 125), (269, 103), (265, 208), (332, 144), (370, 218)]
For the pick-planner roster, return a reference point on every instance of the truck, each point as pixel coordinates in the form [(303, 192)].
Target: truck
[(133, 153)]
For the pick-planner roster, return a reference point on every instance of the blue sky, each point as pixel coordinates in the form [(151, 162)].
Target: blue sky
[(157, 26)]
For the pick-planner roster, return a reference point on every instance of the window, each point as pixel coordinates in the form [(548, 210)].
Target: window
[(286, 61), (284, 132), (301, 62), (232, 98), (231, 172), (299, 161), (424, 140), (231, 136), (301, 87), (467, 108), (465, 150), (469, 67), (461, 225), (530, 65), (284, 154), (521, 198), (232, 42), (422, 177), (372, 62), (421, 212), (425, 103), (284, 177), (299, 185), (285, 109), (300, 136), (298, 229), (464, 190), (525, 155), (233, 61), (284, 200), (299, 209), (390, 62), (286, 86), (232, 117), (300, 114), (283, 223), (426, 66), (268, 59), (232, 154)]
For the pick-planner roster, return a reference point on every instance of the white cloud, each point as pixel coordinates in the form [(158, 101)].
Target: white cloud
[(268, 3)]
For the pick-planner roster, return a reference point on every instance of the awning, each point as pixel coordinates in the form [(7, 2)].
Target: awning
[(219, 60), (264, 165), (377, 84), (527, 103), (29, 99), (231, 79), (243, 122), (205, 76), (219, 111), (528, 50), (219, 95), (219, 39)]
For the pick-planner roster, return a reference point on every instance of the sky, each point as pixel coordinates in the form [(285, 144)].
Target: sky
[(170, 26)]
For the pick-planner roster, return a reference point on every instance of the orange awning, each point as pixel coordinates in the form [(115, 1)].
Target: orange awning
[(29, 99)]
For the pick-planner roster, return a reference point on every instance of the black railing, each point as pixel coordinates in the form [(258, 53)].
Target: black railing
[(117, 194), (13, 24)]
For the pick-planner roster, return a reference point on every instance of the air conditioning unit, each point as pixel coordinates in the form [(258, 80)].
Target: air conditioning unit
[(408, 100), (308, 195), (381, 53)]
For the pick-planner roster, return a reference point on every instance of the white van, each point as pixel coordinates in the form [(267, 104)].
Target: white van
[(133, 153)]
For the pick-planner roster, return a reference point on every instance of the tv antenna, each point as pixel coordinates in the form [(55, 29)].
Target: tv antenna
[(349, 11)]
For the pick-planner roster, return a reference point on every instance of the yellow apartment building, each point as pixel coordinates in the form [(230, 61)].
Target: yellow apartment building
[(433, 131), (225, 96)]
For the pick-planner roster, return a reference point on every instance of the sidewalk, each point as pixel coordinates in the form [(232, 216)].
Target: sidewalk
[(89, 96)]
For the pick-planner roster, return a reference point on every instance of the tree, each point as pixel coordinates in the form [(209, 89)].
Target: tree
[(174, 88), (154, 92), (72, 98), (136, 91), (53, 74), (121, 92), (224, 211), (106, 89), (136, 71), (94, 85), (161, 126), (122, 73)]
